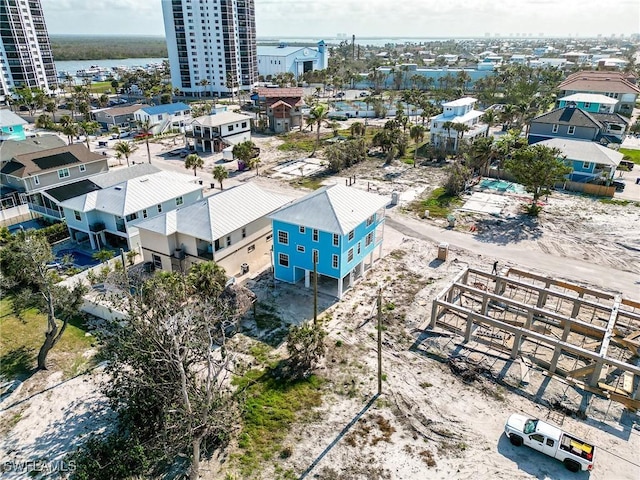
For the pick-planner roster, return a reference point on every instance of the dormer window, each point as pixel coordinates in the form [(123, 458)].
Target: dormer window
[(554, 129)]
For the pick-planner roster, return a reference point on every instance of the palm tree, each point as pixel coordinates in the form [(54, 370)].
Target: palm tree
[(507, 115), (461, 128), (203, 83), (358, 129), (481, 153), (51, 108), (124, 148), (317, 116), (417, 135), (220, 173), (146, 128), (207, 279), (489, 117), (255, 162), (70, 130), (89, 128), (448, 126), (193, 161)]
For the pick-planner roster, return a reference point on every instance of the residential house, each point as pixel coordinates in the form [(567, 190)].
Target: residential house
[(337, 228), (617, 85), (589, 160), (31, 173), (109, 216), (171, 116), (230, 228), (9, 195), (297, 60), (11, 126), (121, 117), (574, 123), (461, 111), (589, 102), (283, 107), (213, 133)]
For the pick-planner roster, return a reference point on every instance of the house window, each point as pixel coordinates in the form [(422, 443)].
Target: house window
[(132, 216), (350, 255), (244, 124), (157, 261), (231, 128), (586, 165), (301, 229), (283, 260), (228, 241), (369, 240), (179, 201), (351, 235), (334, 261), (587, 104), (36, 180), (554, 129), (370, 220), (315, 256), (571, 130), (145, 214), (159, 117), (251, 248), (159, 208), (63, 173), (77, 215), (269, 237), (300, 248), (244, 233), (283, 237), (82, 168), (358, 249), (336, 240), (315, 235)]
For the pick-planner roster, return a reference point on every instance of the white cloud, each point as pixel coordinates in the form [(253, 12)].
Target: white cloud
[(414, 18)]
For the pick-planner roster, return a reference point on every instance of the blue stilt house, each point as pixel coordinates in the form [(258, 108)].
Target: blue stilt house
[(338, 226)]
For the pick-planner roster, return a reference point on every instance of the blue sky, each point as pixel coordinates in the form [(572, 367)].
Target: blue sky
[(416, 18)]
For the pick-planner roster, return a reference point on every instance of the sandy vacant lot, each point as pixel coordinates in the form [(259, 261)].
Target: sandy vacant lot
[(428, 423)]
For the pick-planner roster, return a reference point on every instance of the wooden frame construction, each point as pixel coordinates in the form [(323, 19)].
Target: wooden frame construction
[(569, 330)]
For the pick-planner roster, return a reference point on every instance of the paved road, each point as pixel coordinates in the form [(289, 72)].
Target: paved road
[(600, 276)]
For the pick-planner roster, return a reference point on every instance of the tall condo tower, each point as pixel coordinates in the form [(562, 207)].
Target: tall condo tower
[(26, 59), (211, 44)]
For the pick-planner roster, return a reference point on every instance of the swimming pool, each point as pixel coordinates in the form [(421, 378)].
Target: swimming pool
[(501, 186), (80, 259)]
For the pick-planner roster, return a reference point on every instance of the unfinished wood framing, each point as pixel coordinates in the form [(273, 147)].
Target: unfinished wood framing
[(570, 330)]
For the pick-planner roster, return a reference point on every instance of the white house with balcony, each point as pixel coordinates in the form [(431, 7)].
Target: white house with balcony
[(213, 133), (108, 217), (230, 228), (171, 116), (444, 132)]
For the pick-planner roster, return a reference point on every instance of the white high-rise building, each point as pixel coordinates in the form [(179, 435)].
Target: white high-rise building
[(211, 44), (25, 50)]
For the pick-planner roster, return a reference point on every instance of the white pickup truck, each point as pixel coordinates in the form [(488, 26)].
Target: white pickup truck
[(576, 454)]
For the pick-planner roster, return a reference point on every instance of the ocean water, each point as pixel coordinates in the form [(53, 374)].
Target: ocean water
[(72, 66)]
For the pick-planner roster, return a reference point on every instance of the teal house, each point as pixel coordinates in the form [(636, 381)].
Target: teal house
[(589, 102), (337, 226), (11, 126)]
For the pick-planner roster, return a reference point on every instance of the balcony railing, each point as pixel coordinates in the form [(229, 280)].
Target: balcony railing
[(97, 227), (50, 212), (205, 254)]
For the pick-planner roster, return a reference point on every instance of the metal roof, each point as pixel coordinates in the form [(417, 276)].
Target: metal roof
[(119, 175), (590, 98), (288, 92), (219, 119), (461, 102), (135, 194), (334, 209), (584, 151), (274, 51), (218, 215), (166, 108), (9, 119)]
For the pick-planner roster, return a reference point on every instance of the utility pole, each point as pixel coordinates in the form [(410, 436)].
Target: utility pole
[(353, 47), (379, 341), (315, 289)]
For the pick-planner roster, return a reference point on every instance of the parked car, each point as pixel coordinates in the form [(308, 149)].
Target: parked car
[(339, 95), (576, 454), (364, 94), (142, 135), (627, 164)]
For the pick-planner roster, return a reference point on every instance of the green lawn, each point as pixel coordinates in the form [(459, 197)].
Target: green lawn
[(21, 338), (634, 155), (438, 203), (270, 407), (101, 87)]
